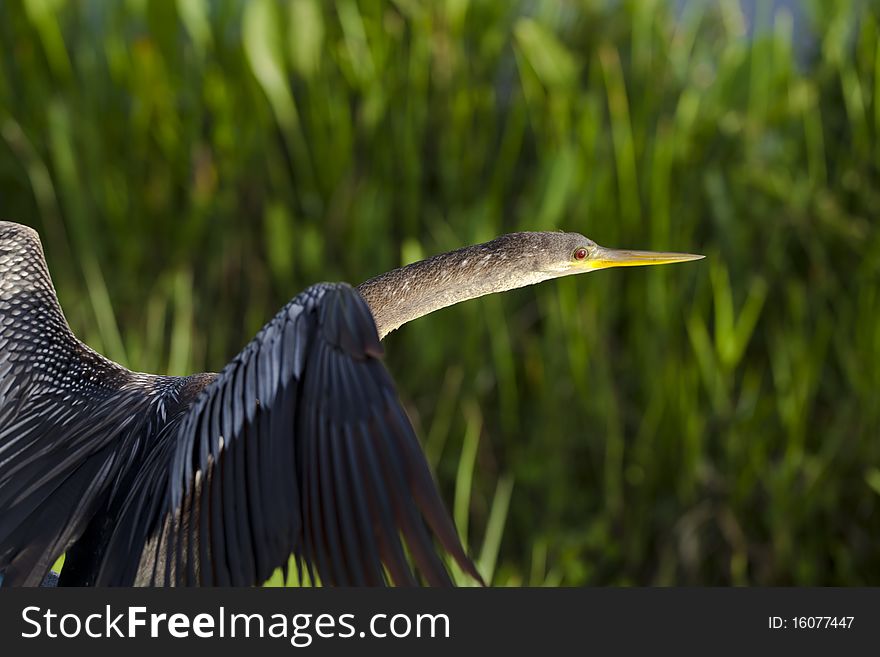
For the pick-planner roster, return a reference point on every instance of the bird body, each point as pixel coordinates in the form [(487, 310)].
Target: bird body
[(299, 446)]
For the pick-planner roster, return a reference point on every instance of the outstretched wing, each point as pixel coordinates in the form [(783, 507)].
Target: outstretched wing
[(300, 446), (67, 425)]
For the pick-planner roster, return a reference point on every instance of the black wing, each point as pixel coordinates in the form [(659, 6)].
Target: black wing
[(300, 446), (66, 419)]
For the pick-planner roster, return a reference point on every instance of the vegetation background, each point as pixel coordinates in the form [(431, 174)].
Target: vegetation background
[(191, 165)]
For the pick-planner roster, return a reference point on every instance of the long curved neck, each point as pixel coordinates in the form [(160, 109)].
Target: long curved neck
[(407, 293)]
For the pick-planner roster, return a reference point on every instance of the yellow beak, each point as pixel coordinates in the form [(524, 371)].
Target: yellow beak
[(602, 258)]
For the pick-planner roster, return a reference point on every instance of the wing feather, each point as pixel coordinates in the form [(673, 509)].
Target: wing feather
[(301, 446)]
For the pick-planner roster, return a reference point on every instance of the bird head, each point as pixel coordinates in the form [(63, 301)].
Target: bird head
[(564, 254)]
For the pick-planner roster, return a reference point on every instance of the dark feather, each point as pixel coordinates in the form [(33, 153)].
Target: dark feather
[(299, 446)]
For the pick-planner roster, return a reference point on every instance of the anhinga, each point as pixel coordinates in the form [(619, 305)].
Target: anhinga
[(299, 446)]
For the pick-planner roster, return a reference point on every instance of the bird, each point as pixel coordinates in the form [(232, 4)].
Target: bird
[(299, 447)]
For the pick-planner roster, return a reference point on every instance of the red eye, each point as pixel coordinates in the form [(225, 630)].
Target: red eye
[(580, 254)]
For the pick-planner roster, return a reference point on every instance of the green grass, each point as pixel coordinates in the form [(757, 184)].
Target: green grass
[(193, 165)]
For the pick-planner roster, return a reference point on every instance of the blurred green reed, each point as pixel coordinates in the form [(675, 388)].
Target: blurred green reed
[(192, 165)]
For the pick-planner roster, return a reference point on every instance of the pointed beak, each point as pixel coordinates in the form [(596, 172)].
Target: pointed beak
[(602, 258)]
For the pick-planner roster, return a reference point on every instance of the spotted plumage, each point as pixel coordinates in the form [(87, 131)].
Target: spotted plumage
[(299, 446)]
